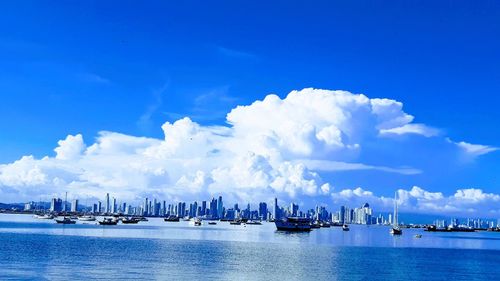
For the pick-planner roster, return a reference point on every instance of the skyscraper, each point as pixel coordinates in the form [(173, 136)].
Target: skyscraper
[(203, 208), (263, 210), (107, 209), (146, 207), (219, 208), (113, 206), (74, 205)]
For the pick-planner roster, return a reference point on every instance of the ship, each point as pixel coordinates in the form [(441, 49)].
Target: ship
[(293, 224), (345, 227)]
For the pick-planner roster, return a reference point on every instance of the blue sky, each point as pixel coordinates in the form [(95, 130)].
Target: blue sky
[(121, 66)]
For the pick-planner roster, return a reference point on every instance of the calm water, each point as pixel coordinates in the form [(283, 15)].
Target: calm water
[(44, 250)]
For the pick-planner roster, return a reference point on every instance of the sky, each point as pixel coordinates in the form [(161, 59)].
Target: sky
[(331, 102)]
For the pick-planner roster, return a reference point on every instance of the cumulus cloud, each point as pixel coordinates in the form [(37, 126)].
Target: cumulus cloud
[(469, 202), (272, 147)]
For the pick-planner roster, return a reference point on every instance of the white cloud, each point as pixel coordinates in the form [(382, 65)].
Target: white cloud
[(468, 202), (418, 129), (475, 149), (273, 147)]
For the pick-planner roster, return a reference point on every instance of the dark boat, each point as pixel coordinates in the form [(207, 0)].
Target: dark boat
[(212, 223), (171, 219), (108, 221), (130, 220), (345, 227), (65, 220), (293, 224)]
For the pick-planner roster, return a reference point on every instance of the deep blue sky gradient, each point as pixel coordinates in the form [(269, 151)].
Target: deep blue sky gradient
[(127, 66)]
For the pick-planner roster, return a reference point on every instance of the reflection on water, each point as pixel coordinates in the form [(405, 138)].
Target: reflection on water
[(44, 250)]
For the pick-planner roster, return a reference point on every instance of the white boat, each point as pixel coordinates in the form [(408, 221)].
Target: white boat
[(196, 222), (345, 227), (86, 218), (396, 229), (293, 224), (44, 217)]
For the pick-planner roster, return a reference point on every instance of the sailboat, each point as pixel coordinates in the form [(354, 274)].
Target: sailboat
[(396, 230)]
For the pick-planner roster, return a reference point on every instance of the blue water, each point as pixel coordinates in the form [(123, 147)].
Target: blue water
[(43, 250)]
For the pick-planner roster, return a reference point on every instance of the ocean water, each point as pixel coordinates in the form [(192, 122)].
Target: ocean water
[(33, 249)]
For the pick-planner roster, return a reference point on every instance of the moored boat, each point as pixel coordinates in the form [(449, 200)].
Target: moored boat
[(108, 221), (43, 216), (65, 220), (252, 222), (130, 220), (396, 229), (86, 218), (293, 224), (172, 219)]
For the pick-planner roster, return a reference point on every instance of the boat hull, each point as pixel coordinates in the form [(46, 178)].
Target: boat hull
[(291, 226)]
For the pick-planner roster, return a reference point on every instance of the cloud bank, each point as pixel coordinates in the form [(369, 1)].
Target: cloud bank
[(272, 147)]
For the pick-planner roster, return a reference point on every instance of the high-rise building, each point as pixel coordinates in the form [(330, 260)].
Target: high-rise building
[(263, 210), (74, 206), (114, 206), (56, 205), (99, 207), (220, 208), (95, 209), (106, 201), (146, 207), (276, 213), (203, 208), (294, 209)]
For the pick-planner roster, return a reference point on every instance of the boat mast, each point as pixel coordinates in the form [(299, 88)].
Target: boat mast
[(396, 209)]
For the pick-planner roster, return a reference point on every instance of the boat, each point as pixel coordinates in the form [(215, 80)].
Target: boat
[(345, 227), (252, 222), (235, 222), (196, 222), (65, 220), (324, 224), (212, 223), (418, 235), (315, 224), (172, 219), (142, 218), (86, 218), (293, 224), (396, 229), (44, 217), (130, 220), (108, 221)]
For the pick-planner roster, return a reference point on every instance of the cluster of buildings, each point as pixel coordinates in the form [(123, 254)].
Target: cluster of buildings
[(467, 223), (215, 209)]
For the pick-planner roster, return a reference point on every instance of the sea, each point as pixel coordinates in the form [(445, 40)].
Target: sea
[(34, 249)]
